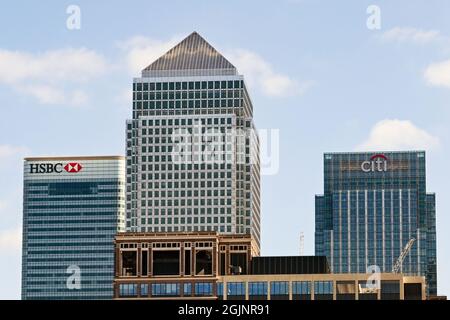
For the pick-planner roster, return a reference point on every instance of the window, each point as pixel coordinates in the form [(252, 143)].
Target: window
[(203, 262), (323, 290), (238, 261), (128, 290), (187, 289), (129, 263), (345, 290), (257, 290), (144, 290), (279, 290), (203, 289), (187, 259), (301, 290), (165, 289), (413, 291), (144, 262), (236, 289), (279, 287), (220, 290), (366, 291), (166, 262), (390, 290)]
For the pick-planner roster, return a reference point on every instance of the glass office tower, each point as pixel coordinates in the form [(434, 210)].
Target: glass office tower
[(215, 185), (373, 204), (72, 209)]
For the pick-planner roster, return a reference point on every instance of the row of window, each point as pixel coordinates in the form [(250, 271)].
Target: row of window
[(187, 211), (208, 157), (64, 227), (79, 205), (220, 178), (216, 202), (182, 122), (42, 211), (188, 220), (79, 221), (371, 208), (187, 94), (221, 228), (224, 185), (204, 148), (277, 288), (185, 104), (166, 289), (191, 85), (189, 112), (75, 199), (190, 193), (199, 168)]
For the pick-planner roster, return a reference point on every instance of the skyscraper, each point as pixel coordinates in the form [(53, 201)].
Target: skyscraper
[(72, 209), (192, 151), (373, 204)]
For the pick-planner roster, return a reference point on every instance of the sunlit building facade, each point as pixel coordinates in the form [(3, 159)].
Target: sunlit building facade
[(192, 151), (210, 266)]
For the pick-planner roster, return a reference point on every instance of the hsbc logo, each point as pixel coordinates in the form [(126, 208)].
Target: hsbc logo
[(71, 167), (377, 163)]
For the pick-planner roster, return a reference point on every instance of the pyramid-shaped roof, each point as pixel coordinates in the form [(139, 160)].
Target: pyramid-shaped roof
[(192, 56)]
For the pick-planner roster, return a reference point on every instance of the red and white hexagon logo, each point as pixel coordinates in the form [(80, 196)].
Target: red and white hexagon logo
[(73, 167)]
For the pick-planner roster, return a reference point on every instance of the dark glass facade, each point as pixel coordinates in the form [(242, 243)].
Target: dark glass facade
[(69, 223), (373, 204), (290, 265)]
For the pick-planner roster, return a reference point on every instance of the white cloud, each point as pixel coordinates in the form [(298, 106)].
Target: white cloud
[(45, 94), (46, 76), (435, 74), (2, 205), (11, 240), (411, 35), (393, 134), (124, 97), (259, 73), (7, 151), (64, 64), (438, 74), (142, 51), (48, 94)]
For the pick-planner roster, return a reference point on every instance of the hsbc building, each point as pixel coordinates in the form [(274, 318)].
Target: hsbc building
[(373, 204), (72, 209)]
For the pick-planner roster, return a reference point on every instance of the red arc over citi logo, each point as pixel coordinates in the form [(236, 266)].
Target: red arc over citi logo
[(377, 163), (73, 167)]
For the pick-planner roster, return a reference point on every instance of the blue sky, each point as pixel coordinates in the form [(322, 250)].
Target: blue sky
[(315, 72)]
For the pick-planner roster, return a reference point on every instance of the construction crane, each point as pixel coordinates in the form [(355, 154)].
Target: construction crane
[(402, 256), (302, 243)]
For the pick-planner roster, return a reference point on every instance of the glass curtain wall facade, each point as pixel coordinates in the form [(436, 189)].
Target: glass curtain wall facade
[(192, 100), (72, 210), (373, 204)]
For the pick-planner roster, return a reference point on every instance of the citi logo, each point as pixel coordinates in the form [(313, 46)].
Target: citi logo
[(72, 167), (377, 163)]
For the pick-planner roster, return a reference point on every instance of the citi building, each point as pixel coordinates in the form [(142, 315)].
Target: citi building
[(72, 209), (374, 204)]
